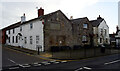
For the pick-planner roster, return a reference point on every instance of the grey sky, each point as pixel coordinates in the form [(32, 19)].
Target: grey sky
[(12, 10)]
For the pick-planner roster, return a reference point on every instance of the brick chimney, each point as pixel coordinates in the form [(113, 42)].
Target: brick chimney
[(40, 12), (23, 18), (99, 17)]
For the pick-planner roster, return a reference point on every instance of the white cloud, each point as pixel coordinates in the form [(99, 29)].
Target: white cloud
[(13, 9), (74, 7)]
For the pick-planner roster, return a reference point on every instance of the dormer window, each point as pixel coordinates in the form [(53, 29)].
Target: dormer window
[(85, 25)]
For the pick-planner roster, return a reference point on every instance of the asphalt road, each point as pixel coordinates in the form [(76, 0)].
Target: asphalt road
[(107, 62), (12, 57), (15, 60)]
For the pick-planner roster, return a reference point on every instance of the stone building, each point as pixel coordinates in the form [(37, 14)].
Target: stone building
[(57, 30), (82, 31)]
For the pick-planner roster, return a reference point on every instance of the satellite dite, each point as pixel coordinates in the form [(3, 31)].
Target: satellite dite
[(119, 14)]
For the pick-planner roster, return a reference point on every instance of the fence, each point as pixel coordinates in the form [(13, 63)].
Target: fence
[(84, 52)]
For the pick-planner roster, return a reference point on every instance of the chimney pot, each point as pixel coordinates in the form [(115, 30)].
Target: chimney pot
[(23, 18)]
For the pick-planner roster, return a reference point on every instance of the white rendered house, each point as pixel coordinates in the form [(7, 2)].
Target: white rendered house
[(26, 34), (101, 30), (117, 37)]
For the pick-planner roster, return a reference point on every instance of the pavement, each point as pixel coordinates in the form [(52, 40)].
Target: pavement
[(30, 52)]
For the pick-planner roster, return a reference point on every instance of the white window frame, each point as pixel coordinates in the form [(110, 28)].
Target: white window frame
[(37, 39), (31, 25), (31, 40)]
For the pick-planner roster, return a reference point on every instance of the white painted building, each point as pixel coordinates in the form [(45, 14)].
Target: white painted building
[(117, 37), (101, 30), (26, 34)]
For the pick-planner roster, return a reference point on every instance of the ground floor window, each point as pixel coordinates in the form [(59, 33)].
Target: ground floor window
[(37, 39), (13, 39), (31, 39), (16, 39), (25, 40), (106, 40), (100, 40), (9, 39)]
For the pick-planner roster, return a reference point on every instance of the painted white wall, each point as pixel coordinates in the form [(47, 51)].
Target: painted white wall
[(37, 30), (118, 40), (103, 26), (11, 35)]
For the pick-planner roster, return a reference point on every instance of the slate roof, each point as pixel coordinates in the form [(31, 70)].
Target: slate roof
[(41, 17), (96, 23), (78, 20), (13, 25)]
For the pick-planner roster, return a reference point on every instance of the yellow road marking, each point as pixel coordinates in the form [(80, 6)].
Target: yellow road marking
[(28, 54)]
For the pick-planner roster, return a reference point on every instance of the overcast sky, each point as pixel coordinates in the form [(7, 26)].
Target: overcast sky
[(12, 10)]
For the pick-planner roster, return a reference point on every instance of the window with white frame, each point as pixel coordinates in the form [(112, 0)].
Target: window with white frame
[(31, 39), (84, 38), (31, 25), (85, 25), (25, 40), (20, 28), (105, 32), (16, 39), (13, 39), (8, 31), (13, 30), (100, 40), (9, 39), (101, 32), (37, 39)]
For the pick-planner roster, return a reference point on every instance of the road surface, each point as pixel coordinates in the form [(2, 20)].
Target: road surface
[(16, 60)]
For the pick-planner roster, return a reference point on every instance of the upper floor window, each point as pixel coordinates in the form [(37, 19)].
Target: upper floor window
[(85, 25), (9, 31), (20, 28), (31, 25), (105, 32), (31, 39), (101, 32), (13, 30)]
